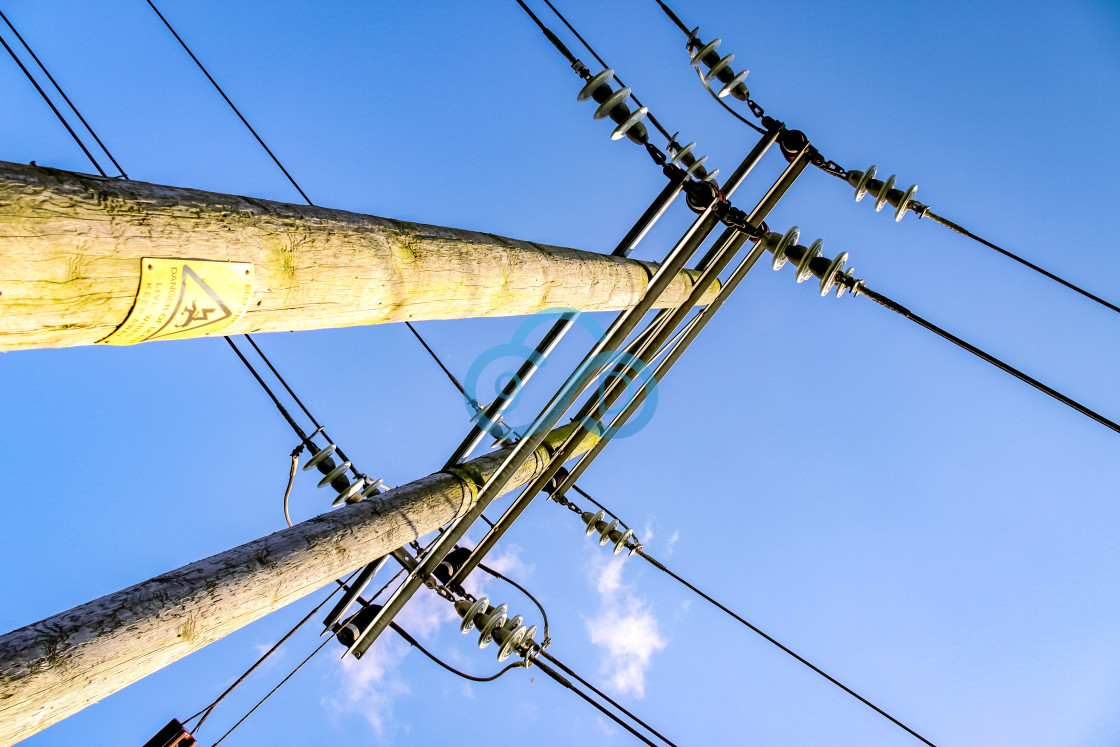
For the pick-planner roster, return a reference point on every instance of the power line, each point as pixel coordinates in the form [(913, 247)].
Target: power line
[(661, 567), (205, 712), (636, 547), (898, 308), (603, 695), (927, 213), (562, 680), (64, 98), (54, 108), (231, 104)]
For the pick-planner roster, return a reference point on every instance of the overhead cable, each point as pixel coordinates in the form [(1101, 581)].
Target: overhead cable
[(64, 98)]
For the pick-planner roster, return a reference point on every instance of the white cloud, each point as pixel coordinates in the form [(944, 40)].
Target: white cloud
[(626, 628)]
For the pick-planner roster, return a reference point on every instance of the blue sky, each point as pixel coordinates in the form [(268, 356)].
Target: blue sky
[(927, 529)]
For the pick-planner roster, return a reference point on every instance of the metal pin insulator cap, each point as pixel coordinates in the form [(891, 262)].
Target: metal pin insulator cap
[(354, 489), (601, 79), (716, 68), (861, 182), (790, 239), (336, 472), (681, 153), (733, 84), (374, 488), (884, 191), (320, 455), (605, 532), (904, 203), (493, 621), (696, 165), (592, 520), (620, 539), (633, 119), (701, 53), (618, 97), (473, 610), (829, 278), (512, 642), (804, 269)]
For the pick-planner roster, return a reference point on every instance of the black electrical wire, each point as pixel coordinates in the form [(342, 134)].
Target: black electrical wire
[(279, 406), (675, 19), (205, 712), (435, 357), (413, 642), (601, 694), (523, 590), (661, 567), (64, 97), (571, 58), (926, 213), (231, 104), (652, 119), (598, 706), (54, 108), (272, 691), (903, 311)]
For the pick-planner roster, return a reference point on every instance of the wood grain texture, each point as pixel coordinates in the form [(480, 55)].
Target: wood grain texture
[(71, 244), (55, 667)]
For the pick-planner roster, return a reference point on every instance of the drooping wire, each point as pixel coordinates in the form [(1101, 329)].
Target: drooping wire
[(413, 642), (64, 98), (228, 101), (54, 108), (559, 678), (898, 308), (1011, 255), (653, 120), (601, 694), (523, 590), (661, 567), (205, 712)]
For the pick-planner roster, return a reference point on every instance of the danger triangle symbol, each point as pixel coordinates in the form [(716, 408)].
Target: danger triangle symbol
[(199, 307)]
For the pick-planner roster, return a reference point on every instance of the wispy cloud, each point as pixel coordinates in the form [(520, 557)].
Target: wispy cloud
[(626, 628)]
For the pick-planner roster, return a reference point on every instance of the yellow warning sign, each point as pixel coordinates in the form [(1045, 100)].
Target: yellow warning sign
[(181, 298)]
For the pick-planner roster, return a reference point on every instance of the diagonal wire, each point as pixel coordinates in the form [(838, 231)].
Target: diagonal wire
[(231, 104), (661, 567), (54, 108), (1011, 255), (562, 680), (898, 308), (603, 695), (64, 98)]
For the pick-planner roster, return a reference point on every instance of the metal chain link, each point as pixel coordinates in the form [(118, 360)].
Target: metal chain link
[(829, 167)]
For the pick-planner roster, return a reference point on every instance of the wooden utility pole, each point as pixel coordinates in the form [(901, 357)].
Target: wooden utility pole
[(75, 255), (55, 667)]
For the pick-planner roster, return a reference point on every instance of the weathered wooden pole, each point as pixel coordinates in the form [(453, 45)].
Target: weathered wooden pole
[(76, 261), (55, 667)]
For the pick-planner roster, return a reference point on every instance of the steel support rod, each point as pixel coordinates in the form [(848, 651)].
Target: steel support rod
[(615, 336), (717, 259)]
